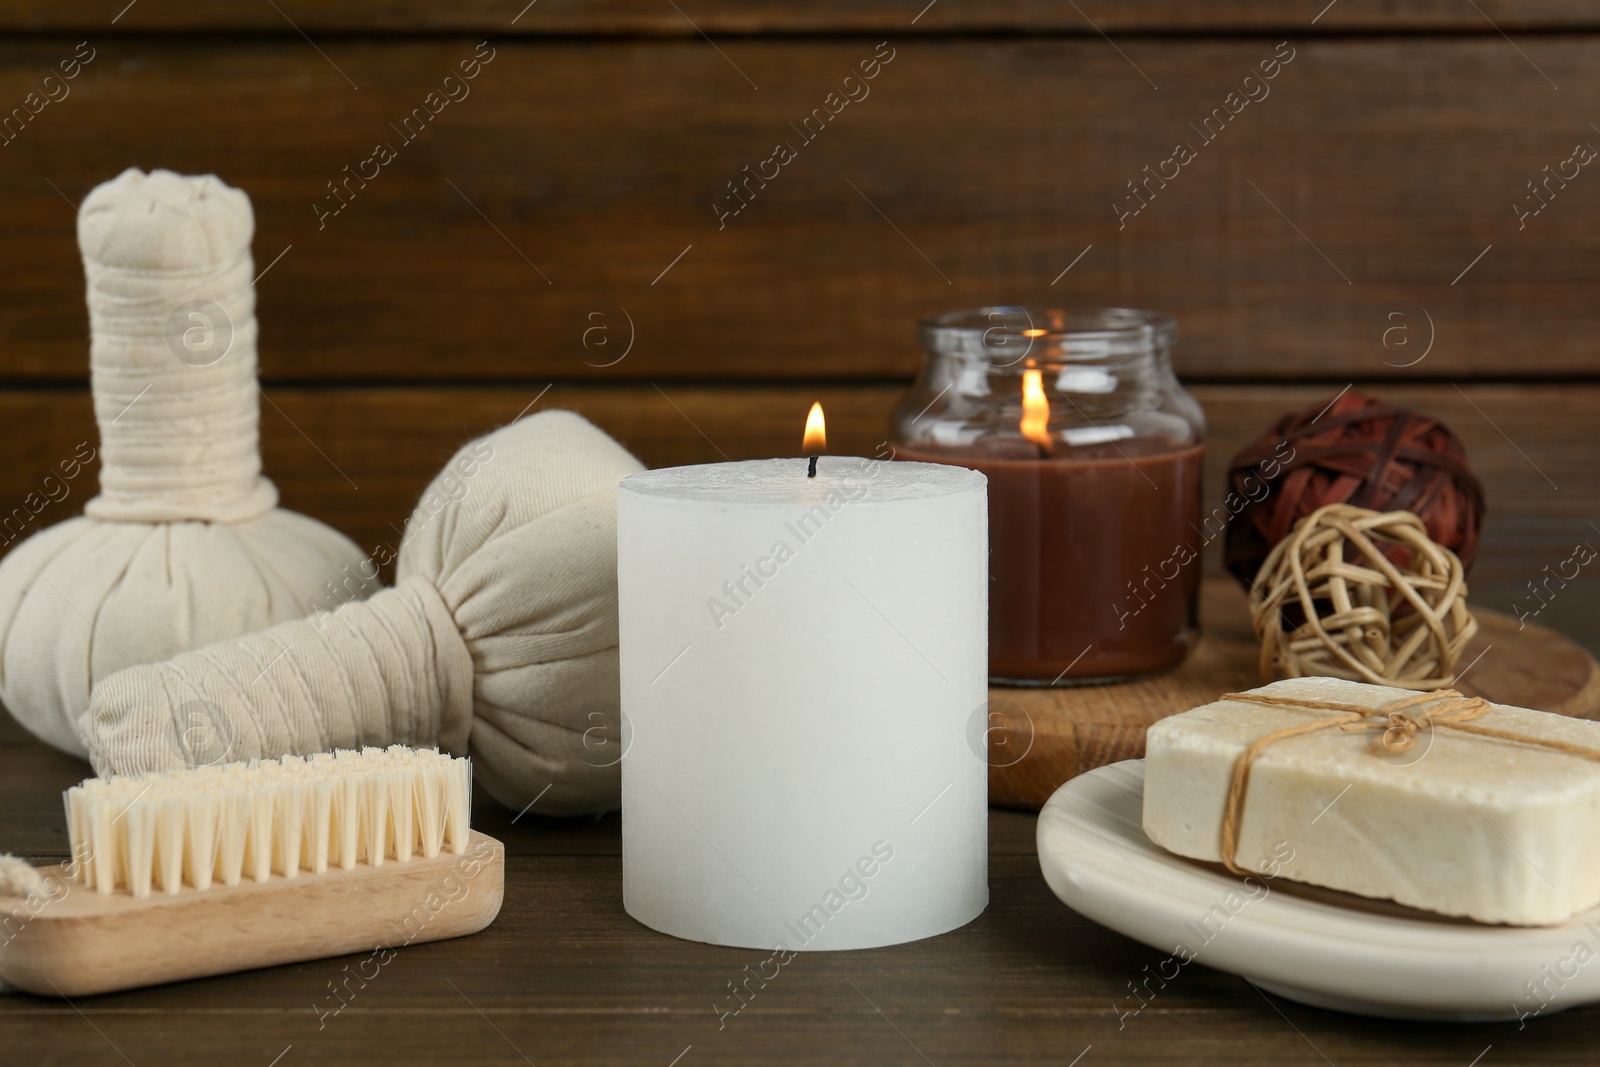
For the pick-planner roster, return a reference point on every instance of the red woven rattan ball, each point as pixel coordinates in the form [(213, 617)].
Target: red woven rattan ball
[(1359, 451)]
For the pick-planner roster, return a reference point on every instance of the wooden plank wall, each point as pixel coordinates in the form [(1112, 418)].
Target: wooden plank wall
[(581, 180)]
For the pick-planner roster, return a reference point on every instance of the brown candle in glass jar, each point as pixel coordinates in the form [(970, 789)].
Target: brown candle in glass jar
[(1093, 562), (1093, 453)]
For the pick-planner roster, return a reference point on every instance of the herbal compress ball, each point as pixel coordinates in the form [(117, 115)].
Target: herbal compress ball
[(185, 544), (499, 640)]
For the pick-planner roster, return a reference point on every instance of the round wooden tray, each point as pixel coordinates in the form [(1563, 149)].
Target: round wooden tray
[(1041, 737)]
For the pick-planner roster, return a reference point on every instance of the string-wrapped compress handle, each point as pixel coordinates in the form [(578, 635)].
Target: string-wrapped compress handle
[(173, 350), (392, 669)]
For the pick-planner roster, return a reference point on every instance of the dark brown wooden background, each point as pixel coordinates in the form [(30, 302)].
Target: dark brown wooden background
[(1376, 180), (458, 284)]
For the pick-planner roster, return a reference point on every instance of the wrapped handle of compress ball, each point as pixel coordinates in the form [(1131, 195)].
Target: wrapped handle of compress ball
[(172, 317)]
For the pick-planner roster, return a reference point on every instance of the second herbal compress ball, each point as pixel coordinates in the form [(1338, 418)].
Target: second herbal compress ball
[(185, 543), (499, 639)]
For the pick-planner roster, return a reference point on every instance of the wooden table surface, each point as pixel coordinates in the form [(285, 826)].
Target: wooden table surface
[(564, 976)]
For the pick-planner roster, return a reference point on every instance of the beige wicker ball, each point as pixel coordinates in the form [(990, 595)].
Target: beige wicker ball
[(1365, 595)]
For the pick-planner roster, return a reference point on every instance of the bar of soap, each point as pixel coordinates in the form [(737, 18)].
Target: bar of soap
[(1460, 825)]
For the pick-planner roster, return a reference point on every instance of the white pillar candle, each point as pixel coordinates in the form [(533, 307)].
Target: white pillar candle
[(804, 688)]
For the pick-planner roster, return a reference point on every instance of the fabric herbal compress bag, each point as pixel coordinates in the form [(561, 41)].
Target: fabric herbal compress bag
[(499, 639), (185, 544)]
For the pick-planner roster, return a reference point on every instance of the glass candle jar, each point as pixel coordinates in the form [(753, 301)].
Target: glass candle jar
[(1093, 454)]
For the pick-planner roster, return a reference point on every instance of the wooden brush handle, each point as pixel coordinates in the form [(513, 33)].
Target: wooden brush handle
[(76, 942)]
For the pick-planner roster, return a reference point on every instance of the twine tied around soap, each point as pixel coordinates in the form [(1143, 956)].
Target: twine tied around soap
[(1397, 723)]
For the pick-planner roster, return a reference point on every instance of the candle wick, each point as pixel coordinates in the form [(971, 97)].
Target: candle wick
[(812, 472)]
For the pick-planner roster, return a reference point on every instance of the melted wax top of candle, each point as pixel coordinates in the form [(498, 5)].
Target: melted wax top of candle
[(784, 481)]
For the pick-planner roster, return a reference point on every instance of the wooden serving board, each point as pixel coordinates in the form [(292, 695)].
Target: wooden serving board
[(1041, 737)]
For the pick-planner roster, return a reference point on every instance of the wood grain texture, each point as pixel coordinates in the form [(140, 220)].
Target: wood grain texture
[(359, 458), (74, 942), (565, 977), (1041, 737), (575, 174), (607, 17)]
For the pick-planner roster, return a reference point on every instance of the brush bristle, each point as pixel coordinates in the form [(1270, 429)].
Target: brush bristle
[(279, 817)]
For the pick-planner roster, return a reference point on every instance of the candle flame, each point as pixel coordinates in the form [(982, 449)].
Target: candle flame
[(816, 438), (1035, 410)]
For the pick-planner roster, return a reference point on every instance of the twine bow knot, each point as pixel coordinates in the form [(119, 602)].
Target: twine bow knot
[(1400, 721), (1397, 723), (1399, 730)]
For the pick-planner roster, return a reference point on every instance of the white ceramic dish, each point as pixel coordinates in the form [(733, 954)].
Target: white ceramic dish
[(1316, 946)]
